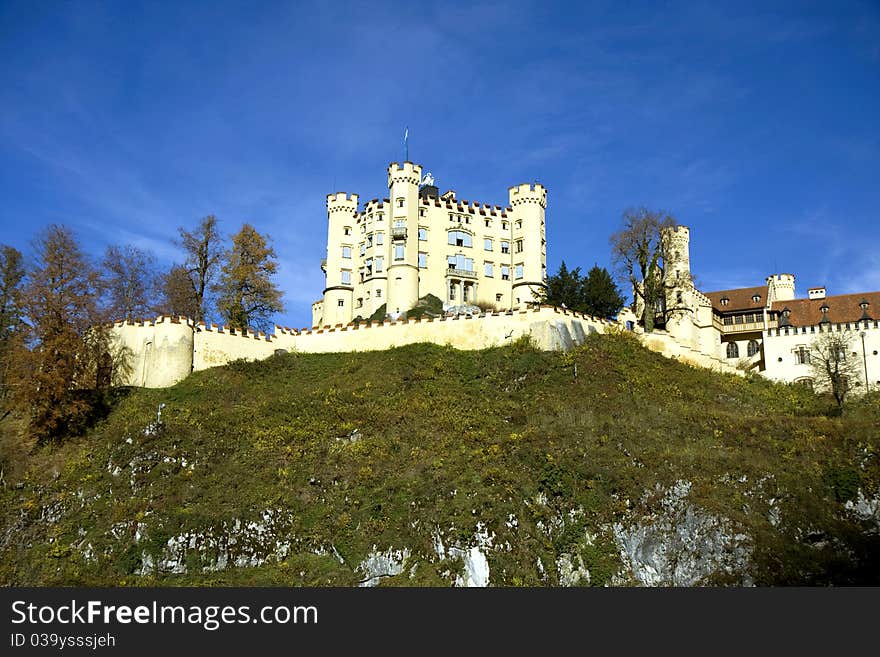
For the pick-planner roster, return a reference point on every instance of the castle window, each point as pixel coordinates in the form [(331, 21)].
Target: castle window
[(400, 223), (340, 303), (504, 225), (518, 224), (488, 223), (398, 251), (487, 244), (498, 298), (756, 298), (452, 290), (422, 212), (505, 273), (460, 238), (518, 271), (752, 348), (346, 230), (802, 356), (732, 350), (378, 294), (379, 217), (423, 260), (379, 261), (724, 301), (380, 238), (360, 302), (488, 269), (400, 202), (370, 240), (363, 248), (519, 246), (346, 251), (505, 247), (346, 277), (423, 234), (460, 262)]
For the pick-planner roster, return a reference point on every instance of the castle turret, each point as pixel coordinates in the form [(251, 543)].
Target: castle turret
[(528, 241), (337, 306), (678, 253), (780, 287), (403, 267)]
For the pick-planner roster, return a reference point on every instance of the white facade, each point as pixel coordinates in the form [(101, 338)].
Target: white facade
[(768, 329), (394, 251)]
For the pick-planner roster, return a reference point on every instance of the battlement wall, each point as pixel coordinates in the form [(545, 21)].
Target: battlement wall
[(164, 352)]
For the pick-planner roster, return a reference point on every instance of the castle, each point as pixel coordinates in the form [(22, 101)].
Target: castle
[(394, 251), (766, 328), (418, 242)]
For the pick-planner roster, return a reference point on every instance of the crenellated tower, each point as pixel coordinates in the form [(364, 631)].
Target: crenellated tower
[(528, 241), (341, 211), (403, 265), (780, 287)]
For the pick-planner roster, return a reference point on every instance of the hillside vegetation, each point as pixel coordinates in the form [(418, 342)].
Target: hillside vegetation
[(425, 465)]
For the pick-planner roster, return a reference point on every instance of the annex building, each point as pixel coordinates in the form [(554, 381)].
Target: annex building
[(768, 328), (393, 251)]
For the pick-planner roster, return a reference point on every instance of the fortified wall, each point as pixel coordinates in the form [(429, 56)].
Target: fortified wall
[(164, 351)]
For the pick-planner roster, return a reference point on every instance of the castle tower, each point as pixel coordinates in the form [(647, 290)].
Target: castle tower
[(679, 303), (403, 267), (528, 241), (678, 252), (780, 287), (341, 210)]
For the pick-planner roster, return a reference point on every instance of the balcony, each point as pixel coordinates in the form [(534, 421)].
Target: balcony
[(324, 265), (461, 273), (743, 328), (398, 233)]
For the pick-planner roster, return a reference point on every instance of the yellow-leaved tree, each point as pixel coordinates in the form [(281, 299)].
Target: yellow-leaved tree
[(246, 294)]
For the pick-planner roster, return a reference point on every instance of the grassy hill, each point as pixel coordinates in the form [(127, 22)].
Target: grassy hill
[(424, 465)]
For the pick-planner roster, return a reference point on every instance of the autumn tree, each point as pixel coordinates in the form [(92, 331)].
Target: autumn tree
[(130, 282), (642, 252), (247, 296), (203, 254), (11, 278), (835, 367), (66, 335), (177, 296)]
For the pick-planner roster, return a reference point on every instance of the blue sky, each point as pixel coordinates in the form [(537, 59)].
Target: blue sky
[(754, 124)]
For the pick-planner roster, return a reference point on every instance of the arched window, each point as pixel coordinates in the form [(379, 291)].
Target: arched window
[(807, 382), (732, 350), (753, 348)]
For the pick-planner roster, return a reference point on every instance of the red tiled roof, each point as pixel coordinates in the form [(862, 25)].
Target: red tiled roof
[(841, 308), (739, 299)]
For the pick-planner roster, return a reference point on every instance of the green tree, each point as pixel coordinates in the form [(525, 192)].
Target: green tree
[(563, 288), (594, 294), (67, 340), (203, 256), (600, 295), (247, 296)]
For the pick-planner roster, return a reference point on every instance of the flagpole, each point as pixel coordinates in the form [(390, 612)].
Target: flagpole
[(406, 145)]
